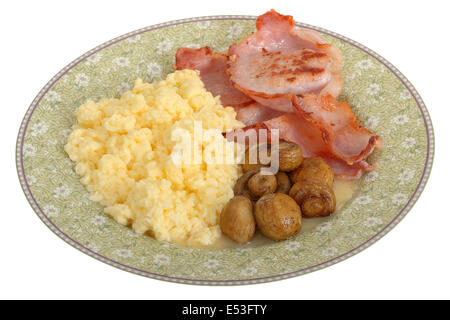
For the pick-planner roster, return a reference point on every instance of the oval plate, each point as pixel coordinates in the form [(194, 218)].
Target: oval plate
[(381, 97)]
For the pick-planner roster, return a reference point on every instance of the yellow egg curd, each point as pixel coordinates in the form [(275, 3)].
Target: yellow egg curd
[(124, 152)]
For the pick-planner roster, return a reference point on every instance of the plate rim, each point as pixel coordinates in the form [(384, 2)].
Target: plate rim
[(403, 212)]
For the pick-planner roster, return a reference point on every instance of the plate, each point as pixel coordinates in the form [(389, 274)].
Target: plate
[(381, 97)]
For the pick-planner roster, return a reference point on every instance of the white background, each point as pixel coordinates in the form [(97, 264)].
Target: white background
[(38, 38)]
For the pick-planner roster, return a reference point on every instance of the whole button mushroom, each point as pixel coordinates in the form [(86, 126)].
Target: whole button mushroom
[(315, 199), (313, 169), (260, 184), (237, 221), (278, 216), (290, 156), (241, 186)]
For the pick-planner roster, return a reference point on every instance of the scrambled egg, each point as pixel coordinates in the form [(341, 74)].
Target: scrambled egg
[(124, 150)]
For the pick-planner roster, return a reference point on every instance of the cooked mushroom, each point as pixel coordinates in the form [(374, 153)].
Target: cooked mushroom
[(313, 169), (315, 199), (241, 186), (237, 221), (284, 183), (260, 184), (290, 156), (278, 216)]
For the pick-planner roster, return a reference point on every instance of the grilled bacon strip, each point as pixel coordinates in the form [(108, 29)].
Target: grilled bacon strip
[(278, 62)]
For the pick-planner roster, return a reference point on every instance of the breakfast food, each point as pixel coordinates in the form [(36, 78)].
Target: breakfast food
[(213, 68), (290, 156), (130, 152), (313, 142), (237, 221), (284, 183), (260, 184), (123, 150), (309, 188), (313, 169), (278, 62), (241, 187), (313, 188), (315, 199), (293, 78), (278, 216)]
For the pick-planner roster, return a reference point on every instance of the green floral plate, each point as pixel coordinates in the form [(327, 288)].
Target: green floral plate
[(379, 94)]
